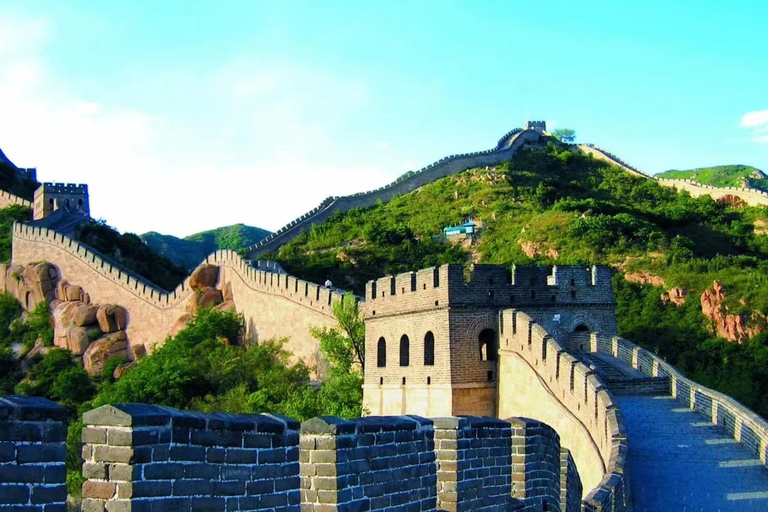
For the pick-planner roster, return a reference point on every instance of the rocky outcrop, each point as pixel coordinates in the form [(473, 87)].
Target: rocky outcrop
[(675, 296), (95, 332), (729, 326), (644, 278), (533, 249), (732, 201), (30, 285), (104, 348), (204, 276)]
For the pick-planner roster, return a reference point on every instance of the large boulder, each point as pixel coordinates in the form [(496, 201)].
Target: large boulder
[(181, 323), (225, 306), (84, 314), (204, 276), (209, 298), (77, 339), (111, 318), (101, 350), (73, 292)]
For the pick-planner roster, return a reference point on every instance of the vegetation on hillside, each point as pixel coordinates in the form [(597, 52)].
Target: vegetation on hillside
[(129, 250), (189, 251), (550, 205), (9, 215), (722, 176)]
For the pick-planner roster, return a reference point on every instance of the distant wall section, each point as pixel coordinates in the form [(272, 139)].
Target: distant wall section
[(447, 166), (274, 305)]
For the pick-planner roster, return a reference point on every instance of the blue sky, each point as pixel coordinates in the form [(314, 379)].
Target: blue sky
[(188, 115)]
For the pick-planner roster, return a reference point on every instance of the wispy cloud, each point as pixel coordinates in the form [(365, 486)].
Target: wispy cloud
[(757, 122)]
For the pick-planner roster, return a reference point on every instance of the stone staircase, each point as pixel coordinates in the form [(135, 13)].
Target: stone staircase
[(622, 379)]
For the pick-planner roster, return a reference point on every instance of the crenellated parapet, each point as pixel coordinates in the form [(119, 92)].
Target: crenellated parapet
[(568, 394), (490, 286)]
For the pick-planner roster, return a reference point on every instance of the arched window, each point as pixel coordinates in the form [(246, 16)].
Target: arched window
[(487, 342), (381, 353), (581, 328), (405, 351), (429, 349)]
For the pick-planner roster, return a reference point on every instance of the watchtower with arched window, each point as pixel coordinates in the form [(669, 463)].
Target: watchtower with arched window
[(435, 332), (50, 197)]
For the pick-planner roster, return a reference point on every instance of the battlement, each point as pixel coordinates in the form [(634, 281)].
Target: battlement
[(62, 188), (537, 126), (489, 286)]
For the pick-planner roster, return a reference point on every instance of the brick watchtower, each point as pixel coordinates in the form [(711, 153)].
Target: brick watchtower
[(50, 197), (432, 337)]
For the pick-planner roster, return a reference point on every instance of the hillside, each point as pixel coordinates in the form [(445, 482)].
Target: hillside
[(722, 176), (553, 206), (189, 251)]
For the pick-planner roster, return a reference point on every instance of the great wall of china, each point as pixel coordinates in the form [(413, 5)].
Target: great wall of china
[(533, 346)]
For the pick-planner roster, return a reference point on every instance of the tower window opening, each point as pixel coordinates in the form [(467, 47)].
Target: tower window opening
[(381, 353), (429, 349), (405, 349), (487, 345)]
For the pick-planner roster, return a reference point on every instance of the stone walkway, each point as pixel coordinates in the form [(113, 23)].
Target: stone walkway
[(678, 461)]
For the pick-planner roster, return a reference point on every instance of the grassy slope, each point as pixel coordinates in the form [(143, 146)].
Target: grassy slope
[(578, 211), (190, 251), (721, 176)]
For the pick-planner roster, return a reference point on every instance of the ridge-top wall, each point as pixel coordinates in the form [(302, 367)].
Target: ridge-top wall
[(274, 305), (447, 166)]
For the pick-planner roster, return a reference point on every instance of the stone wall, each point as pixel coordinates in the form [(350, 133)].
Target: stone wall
[(140, 457), (568, 396), (368, 464), (146, 458), (570, 484), (7, 199), (744, 425), (274, 305), (447, 166), (33, 434), (751, 196)]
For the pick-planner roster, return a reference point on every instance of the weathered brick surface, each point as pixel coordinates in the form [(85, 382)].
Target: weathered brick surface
[(140, 457), (570, 483), (368, 464), (474, 465), (536, 464), (32, 454)]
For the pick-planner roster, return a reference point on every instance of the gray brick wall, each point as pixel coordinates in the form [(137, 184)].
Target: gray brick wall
[(140, 457), (474, 465), (570, 483), (536, 464), (368, 464), (33, 433)]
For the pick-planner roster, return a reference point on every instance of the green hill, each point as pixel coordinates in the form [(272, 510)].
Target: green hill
[(553, 206), (722, 176), (191, 250)]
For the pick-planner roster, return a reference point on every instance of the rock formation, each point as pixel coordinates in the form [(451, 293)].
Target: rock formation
[(644, 278), (675, 295), (731, 327), (30, 285)]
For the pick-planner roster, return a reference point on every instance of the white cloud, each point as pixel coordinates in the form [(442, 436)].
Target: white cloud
[(757, 122), (755, 118)]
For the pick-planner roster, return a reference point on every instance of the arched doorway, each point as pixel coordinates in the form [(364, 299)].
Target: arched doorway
[(487, 344)]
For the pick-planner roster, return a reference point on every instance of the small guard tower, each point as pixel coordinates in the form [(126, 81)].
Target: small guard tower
[(537, 126), (50, 197)]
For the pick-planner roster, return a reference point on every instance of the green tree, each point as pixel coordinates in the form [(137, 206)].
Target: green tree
[(564, 135), (343, 347)]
